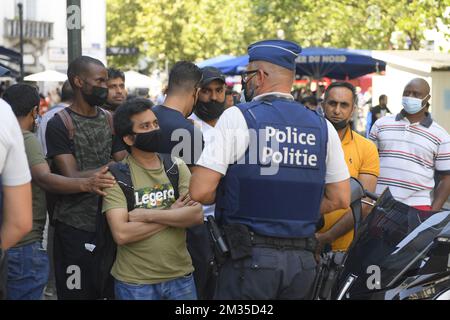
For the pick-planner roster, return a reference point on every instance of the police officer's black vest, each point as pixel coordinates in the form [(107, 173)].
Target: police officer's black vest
[(287, 203)]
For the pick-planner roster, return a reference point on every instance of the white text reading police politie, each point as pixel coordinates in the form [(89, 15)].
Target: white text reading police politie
[(294, 147)]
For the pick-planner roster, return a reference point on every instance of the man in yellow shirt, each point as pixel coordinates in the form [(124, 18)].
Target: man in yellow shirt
[(361, 156)]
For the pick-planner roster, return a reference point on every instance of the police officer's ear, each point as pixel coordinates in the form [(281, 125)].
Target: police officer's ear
[(261, 76)]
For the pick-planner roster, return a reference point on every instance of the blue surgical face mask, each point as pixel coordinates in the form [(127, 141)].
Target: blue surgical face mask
[(412, 105)]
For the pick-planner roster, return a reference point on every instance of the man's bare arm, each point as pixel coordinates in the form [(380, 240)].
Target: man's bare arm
[(336, 196), (67, 166), (346, 223), (125, 231), (441, 193), (17, 214), (203, 185), (184, 217), (59, 184)]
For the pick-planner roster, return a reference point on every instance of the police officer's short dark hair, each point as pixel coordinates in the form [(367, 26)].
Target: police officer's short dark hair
[(184, 76), (22, 98), (341, 84), (66, 92), (115, 73), (122, 116), (79, 66)]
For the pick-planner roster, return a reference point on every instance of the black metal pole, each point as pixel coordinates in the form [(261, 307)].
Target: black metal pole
[(21, 41), (74, 47)]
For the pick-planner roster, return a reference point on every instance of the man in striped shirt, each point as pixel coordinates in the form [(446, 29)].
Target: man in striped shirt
[(413, 148)]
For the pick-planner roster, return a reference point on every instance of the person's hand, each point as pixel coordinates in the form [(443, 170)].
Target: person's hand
[(323, 239), (183, 201), (99, 181), (137, 215)]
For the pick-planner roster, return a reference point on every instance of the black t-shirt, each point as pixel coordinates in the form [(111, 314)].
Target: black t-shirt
[(176, 129), (58, 142)]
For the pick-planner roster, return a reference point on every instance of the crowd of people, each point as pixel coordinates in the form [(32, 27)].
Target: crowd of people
[(126, 192)]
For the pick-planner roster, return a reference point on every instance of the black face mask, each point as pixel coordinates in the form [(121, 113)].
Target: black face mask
[(339, 125), (208, 111), (248, 93), (97, 97), (148, 141)]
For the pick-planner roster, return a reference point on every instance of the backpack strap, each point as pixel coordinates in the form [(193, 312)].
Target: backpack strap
[(172, 172), (109, 118), (68, 123), (121, 172)]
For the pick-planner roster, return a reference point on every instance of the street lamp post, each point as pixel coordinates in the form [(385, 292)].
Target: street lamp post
[(20, 5), (74, 47)]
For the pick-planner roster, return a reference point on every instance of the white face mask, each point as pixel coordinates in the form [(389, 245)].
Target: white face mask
[(412, 105)]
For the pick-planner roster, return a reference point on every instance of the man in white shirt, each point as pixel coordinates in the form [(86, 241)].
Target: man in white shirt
[(15, 188), (413, 149), (15, 178), (209, 107)]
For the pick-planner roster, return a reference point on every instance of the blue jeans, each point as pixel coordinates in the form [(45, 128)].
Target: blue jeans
[(28, 269), (182, 288)]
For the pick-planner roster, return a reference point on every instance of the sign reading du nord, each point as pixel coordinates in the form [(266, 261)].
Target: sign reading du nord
[(322, 59)]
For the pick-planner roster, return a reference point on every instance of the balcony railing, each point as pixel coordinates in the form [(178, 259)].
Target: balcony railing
[(31, 29)]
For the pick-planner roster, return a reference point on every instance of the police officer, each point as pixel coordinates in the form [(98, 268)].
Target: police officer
[(273, 168)]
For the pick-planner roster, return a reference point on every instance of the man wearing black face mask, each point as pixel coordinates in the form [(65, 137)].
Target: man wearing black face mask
[(182, 139), (28, 282), (152, 261), (360, 155), (80, 144), (210, 105), (211, 98)]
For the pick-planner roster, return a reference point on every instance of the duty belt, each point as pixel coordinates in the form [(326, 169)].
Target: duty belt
[(294, 243)]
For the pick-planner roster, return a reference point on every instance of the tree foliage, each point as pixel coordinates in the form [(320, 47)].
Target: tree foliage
[(200, 29)]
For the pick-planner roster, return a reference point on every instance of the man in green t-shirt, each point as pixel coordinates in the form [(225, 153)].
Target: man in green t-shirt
[(152, 261), (28, 265)]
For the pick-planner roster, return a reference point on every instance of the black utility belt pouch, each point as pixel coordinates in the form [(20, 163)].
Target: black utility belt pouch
[(239, 241)]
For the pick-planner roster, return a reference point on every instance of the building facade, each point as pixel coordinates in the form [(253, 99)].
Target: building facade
[(45, 32)]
